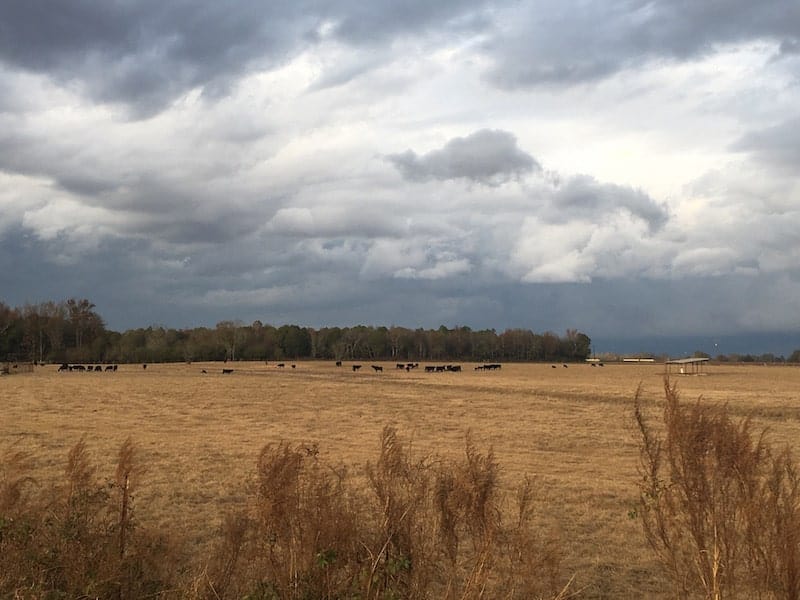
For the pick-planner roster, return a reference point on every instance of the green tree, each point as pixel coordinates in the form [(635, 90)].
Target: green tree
[(294, 341)]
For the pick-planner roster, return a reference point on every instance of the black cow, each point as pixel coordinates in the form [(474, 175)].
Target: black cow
[(294, 366), (338, 363), (429, 369), (109, 367), (281, 365), (356, 367), (98, 368), (400, 366), (65, 367), (376, 368), (144, 366), (227, 371)]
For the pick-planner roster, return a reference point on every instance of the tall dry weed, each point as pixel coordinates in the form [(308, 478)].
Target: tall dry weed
[(719, 507), (414, 528), (422, 528), (298, 538), (66, 541)]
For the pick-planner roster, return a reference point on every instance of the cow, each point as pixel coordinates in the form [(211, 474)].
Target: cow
[(203, 371), (377, 369), (281, 365), (227, 371), (454, 368), (400, 366), (356, 367), (98, 368), (566, 366), (429, 369), (338, 363), (144, 366), (294, 366), (552, 366), (65, 367), (109, 367), (78, 368), (115, 368)]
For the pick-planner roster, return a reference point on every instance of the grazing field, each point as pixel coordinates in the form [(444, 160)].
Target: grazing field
[(570, 428)]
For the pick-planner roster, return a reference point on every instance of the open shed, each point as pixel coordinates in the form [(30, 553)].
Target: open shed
[(687, 366)]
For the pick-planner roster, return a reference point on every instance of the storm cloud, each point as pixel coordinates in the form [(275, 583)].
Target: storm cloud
[(541, 164), (565, 43)]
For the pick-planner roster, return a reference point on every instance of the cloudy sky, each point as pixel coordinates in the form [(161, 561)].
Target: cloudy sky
[(630, 168)]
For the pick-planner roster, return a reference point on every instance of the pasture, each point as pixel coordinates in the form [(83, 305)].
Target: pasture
[(570, 428)]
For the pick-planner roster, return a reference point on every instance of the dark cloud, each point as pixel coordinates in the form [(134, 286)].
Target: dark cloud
[(486, 156), (361, 22), (134, 285), (789, 47), (556, 42), (583, 197), (778, 145), (145, 54)]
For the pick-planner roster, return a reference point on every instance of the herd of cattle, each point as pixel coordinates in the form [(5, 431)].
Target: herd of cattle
[(355, 367), (428, 368), (87, 368)]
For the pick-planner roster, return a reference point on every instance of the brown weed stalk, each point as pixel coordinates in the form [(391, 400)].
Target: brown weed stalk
[(719, 507)]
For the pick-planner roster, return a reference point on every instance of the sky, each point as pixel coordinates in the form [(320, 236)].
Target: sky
[(627, 168)]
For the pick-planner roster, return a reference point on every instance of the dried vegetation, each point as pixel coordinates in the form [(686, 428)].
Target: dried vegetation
[(720, 505), (422, 528), (416, 509)]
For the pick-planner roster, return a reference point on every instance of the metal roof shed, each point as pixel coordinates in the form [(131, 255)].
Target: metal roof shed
[(687, 366)]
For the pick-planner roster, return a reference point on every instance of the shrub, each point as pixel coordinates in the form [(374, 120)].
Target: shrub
[(719, 506), (415, 528), (77, 538), (423, 528)]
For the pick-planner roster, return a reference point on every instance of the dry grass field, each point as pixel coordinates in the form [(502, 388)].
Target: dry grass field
[(570, 428)]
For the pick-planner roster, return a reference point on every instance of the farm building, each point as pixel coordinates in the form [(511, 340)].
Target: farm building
[(687, 366)]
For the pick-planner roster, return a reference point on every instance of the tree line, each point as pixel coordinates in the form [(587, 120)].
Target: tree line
[(72, 331)]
